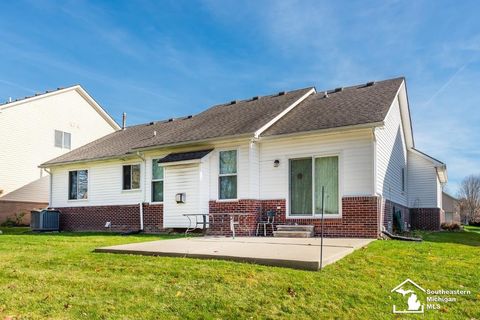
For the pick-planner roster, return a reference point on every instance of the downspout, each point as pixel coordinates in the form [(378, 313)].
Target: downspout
[(380, 221), (50, 186), (141, 156)]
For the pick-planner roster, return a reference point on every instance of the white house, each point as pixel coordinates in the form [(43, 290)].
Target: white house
[(36, 129), (271, 152)]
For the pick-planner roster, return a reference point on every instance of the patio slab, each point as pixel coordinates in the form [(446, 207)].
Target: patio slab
[(297, 253)]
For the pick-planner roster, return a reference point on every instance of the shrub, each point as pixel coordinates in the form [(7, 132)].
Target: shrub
[(450, 226), (14, 221)]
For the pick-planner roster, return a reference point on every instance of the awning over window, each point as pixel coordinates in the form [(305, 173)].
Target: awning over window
[(185, 156)]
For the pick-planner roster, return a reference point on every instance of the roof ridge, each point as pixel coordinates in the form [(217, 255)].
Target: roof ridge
[(359, 85), (258, 97)]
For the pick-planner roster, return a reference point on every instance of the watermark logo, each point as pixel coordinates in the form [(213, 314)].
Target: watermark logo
[(409, 290)]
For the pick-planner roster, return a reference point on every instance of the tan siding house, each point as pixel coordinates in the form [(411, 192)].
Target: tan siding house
[(39, 128)]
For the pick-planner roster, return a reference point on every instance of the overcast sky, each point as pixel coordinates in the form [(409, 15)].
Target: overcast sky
[(161, 59)]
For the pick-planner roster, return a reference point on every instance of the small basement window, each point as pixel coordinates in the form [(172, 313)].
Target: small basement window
[(131, 177)]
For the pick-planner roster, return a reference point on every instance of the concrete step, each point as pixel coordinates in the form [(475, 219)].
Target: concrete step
[(292, 227), (293, 234)]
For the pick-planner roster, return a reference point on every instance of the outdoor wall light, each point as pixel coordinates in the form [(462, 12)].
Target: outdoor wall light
[(276, 163)]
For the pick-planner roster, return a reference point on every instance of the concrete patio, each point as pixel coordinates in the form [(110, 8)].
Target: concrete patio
[(297, 253)]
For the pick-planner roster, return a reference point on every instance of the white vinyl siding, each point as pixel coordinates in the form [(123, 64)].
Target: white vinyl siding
[(256, 173), (391, 157), (422, 183), (27, 132), (355, 150), (104, 186), (181, 179), (243, 167)]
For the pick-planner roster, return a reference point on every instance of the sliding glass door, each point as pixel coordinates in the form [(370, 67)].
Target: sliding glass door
[(301, 186), (307, 178)]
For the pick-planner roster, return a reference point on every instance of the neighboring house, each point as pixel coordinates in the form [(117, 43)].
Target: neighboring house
[(36, 129), (450, 207), (269, 152)]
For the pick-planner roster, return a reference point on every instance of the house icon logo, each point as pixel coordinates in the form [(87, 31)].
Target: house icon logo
[(408, 289)]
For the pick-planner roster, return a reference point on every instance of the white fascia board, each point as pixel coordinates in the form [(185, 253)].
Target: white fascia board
[(97, 107), (281, 114), (78, 88), (425, 156), (37, 97)]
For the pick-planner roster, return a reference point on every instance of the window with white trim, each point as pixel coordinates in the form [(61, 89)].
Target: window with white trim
[(227, 179), (157, 181), (131, 177), (63, 139), (78, 185)]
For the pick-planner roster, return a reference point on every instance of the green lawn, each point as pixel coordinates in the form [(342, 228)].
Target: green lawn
[(56, 276)]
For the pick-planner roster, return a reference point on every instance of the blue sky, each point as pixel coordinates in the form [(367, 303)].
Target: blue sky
[(161, 59)]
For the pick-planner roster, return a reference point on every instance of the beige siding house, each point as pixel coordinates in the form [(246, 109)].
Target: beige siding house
[(274, 152), (38, 128)]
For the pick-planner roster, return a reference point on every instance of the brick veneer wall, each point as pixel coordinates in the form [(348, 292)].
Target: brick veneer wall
[(220, 224), (360, 217), (387, 216), (427, 218), (93, 218), (153, 217), (10, 208), (123, 218)]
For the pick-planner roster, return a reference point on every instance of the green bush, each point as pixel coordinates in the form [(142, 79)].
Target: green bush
[(14, 221), (450, 226)]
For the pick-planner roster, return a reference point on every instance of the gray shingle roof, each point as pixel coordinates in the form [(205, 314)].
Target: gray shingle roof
[(242, 117), (351, 106), (184, 156)]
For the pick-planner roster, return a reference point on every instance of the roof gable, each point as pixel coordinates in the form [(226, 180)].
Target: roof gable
[(77, 88), (351, 106), (297, 111)]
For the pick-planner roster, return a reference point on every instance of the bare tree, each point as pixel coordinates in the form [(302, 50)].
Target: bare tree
[(469, 196)]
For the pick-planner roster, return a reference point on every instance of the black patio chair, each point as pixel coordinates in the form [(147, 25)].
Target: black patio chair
[(267, 220)]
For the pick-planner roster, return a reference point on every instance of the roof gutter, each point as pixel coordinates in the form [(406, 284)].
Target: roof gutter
[(134, 154), (186, 143), (328, 130)]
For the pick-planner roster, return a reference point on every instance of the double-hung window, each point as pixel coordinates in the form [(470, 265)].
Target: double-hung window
[(308, 177), (227, 180), (63, 139), (157, 181), (131, 177), (78, 185)]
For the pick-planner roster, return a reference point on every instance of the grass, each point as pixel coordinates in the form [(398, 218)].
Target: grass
[(56, 276)]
